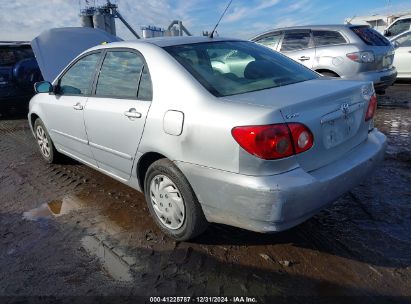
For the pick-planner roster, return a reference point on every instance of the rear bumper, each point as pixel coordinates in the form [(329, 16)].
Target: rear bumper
[(381, 79), (278, 202)]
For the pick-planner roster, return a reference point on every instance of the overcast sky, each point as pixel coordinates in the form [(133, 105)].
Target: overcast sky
[(24, 19)]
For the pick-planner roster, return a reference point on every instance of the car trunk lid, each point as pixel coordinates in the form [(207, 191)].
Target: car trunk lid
[(336, 120), (333, 110)]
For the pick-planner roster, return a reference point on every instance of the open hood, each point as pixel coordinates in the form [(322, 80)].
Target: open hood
[(56, 48)]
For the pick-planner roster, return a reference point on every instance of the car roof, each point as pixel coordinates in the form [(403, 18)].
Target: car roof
[(311, 27), (169, 41), (403, 17)]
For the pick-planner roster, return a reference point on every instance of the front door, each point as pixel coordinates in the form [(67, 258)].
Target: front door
[(116, 114), (65, 116), (402, 57)]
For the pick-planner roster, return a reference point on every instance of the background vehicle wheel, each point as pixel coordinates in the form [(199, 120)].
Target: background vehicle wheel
[(172, 202), (329, 74), (47, 149)]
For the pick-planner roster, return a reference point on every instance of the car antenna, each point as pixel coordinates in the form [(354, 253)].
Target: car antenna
[(221, 17)]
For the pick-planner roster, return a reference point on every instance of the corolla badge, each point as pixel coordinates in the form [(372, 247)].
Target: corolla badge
[(294, 115)]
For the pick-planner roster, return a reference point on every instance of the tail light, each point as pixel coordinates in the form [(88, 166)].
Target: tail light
[(274, 141), (363, 57), (372, 106), (302, 137)]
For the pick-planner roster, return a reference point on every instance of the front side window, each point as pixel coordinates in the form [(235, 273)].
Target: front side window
[(323, 38), (400, 26), (270, 40), (77, 80), (404, 40), (234, 67), (294, 41)]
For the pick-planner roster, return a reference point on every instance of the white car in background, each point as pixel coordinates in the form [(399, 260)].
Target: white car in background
[(398, 26), (402, 57)]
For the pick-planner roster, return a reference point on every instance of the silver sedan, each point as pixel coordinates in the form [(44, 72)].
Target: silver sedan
[(211, 130)]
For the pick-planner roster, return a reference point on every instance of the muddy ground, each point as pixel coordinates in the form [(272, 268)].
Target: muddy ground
[(67, 230)]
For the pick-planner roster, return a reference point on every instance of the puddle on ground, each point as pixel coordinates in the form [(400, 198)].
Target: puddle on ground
[(108, 220), (55, 208), (112, 262)]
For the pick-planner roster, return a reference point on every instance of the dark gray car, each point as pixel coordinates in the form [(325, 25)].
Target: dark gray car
[(354, 52)]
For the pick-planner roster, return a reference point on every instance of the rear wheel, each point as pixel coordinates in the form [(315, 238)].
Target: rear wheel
[(46, 146), (172, 202), (329, 74)]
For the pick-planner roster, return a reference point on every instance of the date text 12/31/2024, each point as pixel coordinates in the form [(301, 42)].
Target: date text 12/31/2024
[(203, 300)]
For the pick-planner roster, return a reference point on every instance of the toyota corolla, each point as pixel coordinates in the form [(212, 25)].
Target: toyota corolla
[(211, 130)]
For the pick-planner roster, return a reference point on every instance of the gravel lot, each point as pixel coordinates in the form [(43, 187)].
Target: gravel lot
[(67, 230)]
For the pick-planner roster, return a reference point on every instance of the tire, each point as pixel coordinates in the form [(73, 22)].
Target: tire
[(45, 144), (329, 74), (172, 202)]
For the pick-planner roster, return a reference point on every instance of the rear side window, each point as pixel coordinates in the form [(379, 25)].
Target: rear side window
[(120, 76), (145, 90), (77, 80), (295, 41), (324, 38), (370, 36), (270, 40)]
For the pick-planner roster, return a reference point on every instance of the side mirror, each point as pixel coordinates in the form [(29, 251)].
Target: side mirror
[(43, 87), (396, 44), (387, 33)]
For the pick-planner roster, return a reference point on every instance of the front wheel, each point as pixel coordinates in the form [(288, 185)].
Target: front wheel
[(172, 202), (46, 146)]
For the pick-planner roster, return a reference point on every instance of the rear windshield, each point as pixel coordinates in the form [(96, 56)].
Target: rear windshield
[(370, 36), (10, 55), (235, 67)]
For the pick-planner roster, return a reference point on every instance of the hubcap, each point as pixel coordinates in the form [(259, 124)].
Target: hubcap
[(43, 141), (167, 202)]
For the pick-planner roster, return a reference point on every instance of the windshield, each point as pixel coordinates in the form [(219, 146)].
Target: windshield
[(370, 36), (235, 67), (12, 55)]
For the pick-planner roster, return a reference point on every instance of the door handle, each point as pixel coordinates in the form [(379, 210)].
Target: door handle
[(78, 106), (132, 113), (304, 58)]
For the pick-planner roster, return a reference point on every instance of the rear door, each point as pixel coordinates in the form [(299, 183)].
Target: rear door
[(298, 45), (115, 115)]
